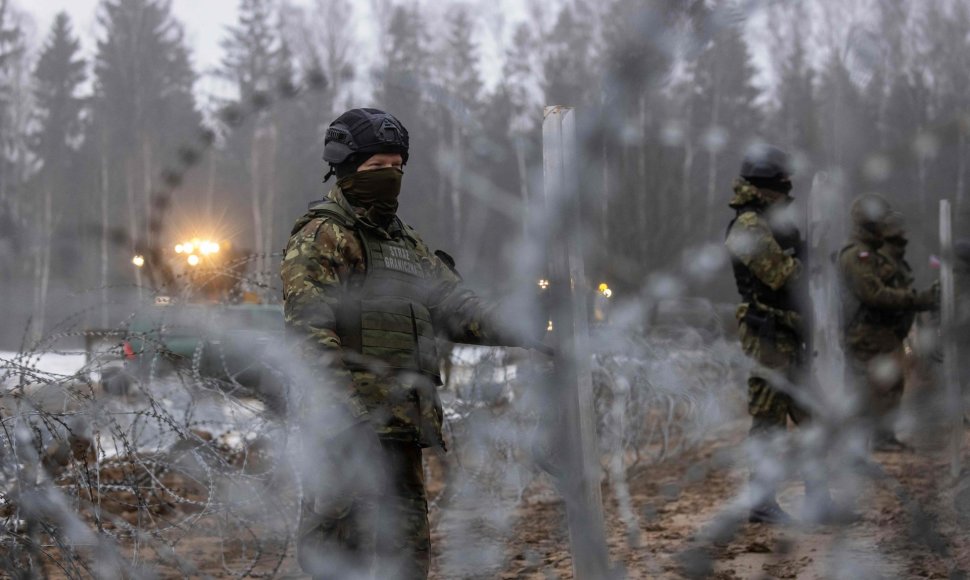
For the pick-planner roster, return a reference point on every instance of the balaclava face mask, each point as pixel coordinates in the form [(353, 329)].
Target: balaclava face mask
[(896, 246), (376, 191)]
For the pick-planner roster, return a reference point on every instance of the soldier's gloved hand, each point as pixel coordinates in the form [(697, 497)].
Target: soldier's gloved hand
[(350, 441), (928, 299)]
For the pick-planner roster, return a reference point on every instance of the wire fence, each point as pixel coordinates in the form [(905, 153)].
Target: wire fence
[(144, 454)]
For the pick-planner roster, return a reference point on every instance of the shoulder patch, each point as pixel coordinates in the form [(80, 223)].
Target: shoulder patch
[(446, 258), (864, 255), (749, 219), (449, 262)]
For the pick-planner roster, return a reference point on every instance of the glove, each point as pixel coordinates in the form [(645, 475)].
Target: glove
[(928, 299)]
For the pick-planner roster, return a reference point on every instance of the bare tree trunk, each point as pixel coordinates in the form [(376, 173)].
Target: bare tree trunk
[(44, 270), (642, 197), (523, 182), (146, 159), (605, 218), (712, 167), (687, 169), (272, 192), (921, 174), (37, 317), (132, 216), (104, 236), (962, 152), (442, 183), (210, 192), (456, 181), (257, 206)]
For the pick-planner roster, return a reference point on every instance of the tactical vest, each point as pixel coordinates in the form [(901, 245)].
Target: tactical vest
[(384, 314), (855, 312), (753, 290)]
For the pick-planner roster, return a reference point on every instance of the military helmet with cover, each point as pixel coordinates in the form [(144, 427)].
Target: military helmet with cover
[(764, 161), (962, 250), (767, 167), (360, 133), (874, 214)]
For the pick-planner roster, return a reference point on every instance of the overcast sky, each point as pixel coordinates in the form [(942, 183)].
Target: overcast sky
[(205, 22)]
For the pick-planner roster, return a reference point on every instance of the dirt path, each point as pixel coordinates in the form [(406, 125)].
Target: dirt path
[(907, 530)]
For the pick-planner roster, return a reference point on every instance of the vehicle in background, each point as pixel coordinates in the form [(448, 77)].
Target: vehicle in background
[(220, 345)]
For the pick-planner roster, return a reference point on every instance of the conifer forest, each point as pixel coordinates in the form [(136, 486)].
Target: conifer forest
[(686, 286)]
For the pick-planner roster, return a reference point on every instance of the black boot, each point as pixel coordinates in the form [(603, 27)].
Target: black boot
[(821, 509), (769, 512), (886, 442)]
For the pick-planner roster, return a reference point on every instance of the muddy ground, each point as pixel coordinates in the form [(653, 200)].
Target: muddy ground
[(915, 523), (908, 528)]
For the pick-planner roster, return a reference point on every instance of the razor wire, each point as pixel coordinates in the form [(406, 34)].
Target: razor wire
[(181, 456)]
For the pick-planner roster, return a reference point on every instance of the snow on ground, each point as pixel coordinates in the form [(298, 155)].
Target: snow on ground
[(58, 365)]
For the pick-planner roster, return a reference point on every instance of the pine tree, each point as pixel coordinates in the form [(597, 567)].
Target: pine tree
[(841, 115), (12, 53), (302, 121), (461, 108), (947, 46), (253, 62), (795, 120), (252, 51), (724, 99), (517, 93), (636, 201), (58, 126), (143, 112), (14, 108), (326, 44), (59, 73), (402, 89), (567, 66)]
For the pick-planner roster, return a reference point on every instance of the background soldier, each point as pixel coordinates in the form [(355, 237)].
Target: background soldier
[(879, 307), (962, 326), (766, 253), (365, 299)]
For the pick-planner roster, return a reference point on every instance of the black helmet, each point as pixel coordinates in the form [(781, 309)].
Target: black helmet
[(962, 250), (763, 161), (364, 131)]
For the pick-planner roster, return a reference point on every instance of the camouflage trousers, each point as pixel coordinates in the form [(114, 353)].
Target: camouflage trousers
[(370, 521), (770, 405), (879, 378), (777, 357)]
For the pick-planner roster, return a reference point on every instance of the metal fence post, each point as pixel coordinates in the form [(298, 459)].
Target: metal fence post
[(580, 481), (954, 397)]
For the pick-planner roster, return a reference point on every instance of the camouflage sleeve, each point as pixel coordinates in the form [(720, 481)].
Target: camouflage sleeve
[(458, 313), (751, 241), (318, 260), (859, 270)]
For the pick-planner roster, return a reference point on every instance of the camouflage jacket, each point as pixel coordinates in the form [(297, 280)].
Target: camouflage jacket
[(320, 259), (879, 301), (763, 259)]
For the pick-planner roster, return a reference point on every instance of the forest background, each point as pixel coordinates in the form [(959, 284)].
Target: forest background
[(106, 157)]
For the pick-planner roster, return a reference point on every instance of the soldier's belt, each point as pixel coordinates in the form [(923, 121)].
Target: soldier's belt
[(765, 322)]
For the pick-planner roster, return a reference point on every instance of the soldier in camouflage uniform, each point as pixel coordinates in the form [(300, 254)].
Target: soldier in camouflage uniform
[(879, 306), (766, 253), (365, 299), (962, 326)]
